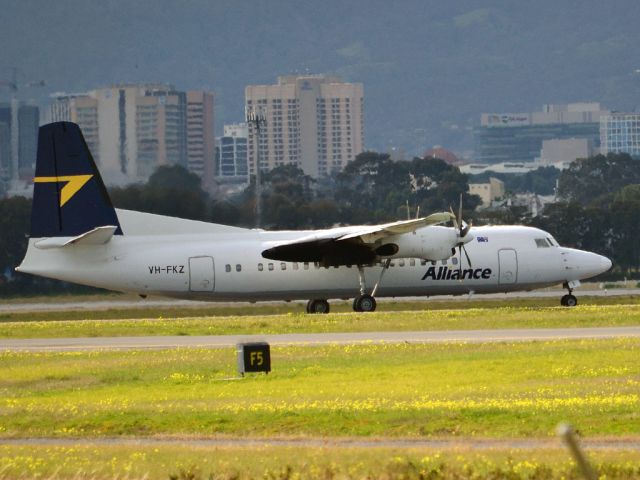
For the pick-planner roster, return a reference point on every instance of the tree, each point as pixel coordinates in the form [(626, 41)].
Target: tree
[(171, 190), (595, 179), (372, 187), (437, 186), (15, 216)]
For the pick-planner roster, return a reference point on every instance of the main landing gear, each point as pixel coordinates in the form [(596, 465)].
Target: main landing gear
[(568, 300), (364, 302), (319, 305)]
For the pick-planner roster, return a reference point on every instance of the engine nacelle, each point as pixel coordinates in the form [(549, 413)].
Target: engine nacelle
[(430, 243)]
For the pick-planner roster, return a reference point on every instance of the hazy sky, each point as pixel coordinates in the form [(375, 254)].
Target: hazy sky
[(429, 67)]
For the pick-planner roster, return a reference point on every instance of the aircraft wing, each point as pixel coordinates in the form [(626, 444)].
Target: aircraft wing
[(347, 245)]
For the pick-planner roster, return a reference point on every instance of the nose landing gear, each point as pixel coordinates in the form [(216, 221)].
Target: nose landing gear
[(568, 300)]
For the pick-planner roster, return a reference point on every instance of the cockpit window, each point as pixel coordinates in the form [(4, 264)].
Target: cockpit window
[(542, 243), (552, 241)]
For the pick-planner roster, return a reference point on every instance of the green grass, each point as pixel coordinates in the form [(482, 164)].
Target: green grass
[(182, 462), (486, 390), (406, 320)]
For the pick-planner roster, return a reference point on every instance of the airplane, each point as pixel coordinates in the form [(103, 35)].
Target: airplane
[(78, 236)]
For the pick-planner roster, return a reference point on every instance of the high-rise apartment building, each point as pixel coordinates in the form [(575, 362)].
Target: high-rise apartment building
[(313, 121), (19, 165), (81, 109), (133, 129), (201, 136), (231, 153), (518, 137), (620, 133)]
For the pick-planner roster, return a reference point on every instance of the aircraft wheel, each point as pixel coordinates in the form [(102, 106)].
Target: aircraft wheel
[(364, 303), (318, 306), (568, 301)]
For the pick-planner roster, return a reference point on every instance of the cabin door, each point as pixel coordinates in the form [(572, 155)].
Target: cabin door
[(201, 274), (508, 260)]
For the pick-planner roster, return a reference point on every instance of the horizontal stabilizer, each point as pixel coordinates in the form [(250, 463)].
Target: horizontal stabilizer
[(97, 236)]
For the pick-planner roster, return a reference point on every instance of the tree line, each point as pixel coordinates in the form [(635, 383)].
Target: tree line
[(597, 207)]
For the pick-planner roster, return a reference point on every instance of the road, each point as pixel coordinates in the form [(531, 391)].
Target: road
[(314, 339), (156, 302)]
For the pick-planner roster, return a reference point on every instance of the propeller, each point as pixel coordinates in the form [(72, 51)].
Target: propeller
[(463, 229)]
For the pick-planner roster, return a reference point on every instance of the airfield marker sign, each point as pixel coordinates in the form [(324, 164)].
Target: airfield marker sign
[(254, 357)]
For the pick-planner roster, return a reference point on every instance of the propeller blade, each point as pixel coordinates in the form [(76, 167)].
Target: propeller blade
[(466, 255), (465, 230), (460, 216), (453, 215)]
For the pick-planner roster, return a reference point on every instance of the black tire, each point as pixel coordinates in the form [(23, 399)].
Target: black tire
[(319, 305), (571, 301), (563, 300), (364, 303)]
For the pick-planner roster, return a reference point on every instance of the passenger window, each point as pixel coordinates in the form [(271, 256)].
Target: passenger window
[(423, 262), (238, 268), (271, 267), (283, 266), (260, 267), (454, 260), (306, 265), (401, 263), (227, 268), (295, 266), (412, 262), (433, 262), (542, 243)]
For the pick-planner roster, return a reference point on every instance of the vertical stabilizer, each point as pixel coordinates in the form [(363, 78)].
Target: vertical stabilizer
[(69, 197)]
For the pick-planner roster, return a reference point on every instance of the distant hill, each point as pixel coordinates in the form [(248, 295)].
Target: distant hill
[(429, 67)]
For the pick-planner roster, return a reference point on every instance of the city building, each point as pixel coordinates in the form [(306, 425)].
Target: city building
[(132, 129), (313, 121), (488, 192), (561, 152), (620, 133), (518, 137), (18, 165), (201, 136), (231, 153)]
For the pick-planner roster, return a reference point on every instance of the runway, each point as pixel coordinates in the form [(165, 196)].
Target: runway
[(129, 301), (315, 339)]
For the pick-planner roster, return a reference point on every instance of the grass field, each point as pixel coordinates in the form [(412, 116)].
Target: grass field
[(486, 390), (98, 324), (268, 462), (456, 390)]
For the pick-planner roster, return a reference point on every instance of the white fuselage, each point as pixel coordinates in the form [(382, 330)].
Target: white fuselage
[(228, 266)]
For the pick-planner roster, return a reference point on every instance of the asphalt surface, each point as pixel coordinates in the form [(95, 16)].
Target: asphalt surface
[(116, 303), (314, 339), (476, 444)]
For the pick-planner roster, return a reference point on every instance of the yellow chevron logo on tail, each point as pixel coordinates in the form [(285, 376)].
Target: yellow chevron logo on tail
[(73, 184)]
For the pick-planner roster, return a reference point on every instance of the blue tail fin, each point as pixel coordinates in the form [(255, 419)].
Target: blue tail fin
[(69, 197)]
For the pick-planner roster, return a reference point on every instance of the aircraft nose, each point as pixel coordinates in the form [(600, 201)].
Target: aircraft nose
[(605, 264)]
